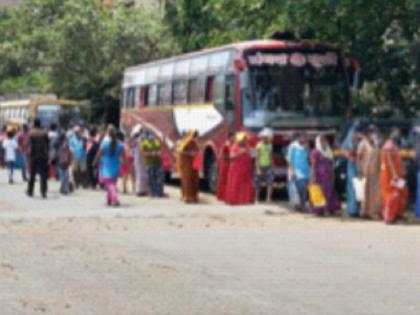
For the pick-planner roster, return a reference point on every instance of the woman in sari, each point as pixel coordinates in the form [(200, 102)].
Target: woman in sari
[(394, 187), (223, 169), (350, 147), (322, 174), (240, 186), (186, 155), (369, 168)]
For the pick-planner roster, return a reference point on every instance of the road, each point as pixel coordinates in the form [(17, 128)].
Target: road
[(73, 255)]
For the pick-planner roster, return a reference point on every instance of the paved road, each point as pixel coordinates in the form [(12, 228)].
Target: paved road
[(76, 256)]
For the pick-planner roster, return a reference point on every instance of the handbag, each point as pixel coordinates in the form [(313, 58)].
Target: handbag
[(359, 185), (316, 196)]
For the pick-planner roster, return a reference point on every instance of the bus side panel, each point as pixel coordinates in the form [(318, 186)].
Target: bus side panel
[(163, 123)]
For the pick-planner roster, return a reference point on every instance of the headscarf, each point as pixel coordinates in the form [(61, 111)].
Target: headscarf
[(240, 137), (186, 141), (324, 150), (266, 133)]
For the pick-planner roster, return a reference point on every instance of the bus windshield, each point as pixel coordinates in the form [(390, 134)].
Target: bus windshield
[(58, 114), (293, 86)]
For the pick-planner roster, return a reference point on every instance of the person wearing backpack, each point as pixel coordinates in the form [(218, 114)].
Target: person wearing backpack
[(65, 158)]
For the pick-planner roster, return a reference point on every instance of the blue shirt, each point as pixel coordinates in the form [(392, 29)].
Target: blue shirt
[(77, 146), (110, 163), (298, 158)]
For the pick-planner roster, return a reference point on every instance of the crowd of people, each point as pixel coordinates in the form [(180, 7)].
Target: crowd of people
[(376, 184), (81, 157)]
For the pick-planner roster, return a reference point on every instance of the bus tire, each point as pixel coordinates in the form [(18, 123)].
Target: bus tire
[(210, 171)]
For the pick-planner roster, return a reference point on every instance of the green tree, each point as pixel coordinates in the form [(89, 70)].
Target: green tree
[(77, 49), (24, 41), (91, 47), (382, 35)]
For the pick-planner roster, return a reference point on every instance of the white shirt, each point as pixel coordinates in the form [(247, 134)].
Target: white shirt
[(10, 146)]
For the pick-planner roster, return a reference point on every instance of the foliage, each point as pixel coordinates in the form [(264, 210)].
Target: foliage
[(91, 47), (77, 49), (383, 35)]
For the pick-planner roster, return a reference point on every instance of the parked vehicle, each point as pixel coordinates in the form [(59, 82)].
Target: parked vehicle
[(286, 85), (48, 109)]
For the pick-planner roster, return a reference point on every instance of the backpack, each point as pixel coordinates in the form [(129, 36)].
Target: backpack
[(64, 157)]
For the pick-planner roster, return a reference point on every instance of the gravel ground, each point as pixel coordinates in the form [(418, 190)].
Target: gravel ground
[(73, 255)]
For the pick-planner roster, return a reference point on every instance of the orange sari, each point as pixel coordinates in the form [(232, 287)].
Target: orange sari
[(189, 175), (394, 199)]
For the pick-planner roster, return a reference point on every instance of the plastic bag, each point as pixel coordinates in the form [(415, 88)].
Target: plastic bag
[(316, 196), (294, 198), (359, 185), (398, 183)]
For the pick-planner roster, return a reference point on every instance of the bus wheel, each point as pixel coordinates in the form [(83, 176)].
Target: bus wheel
[(210, 172)]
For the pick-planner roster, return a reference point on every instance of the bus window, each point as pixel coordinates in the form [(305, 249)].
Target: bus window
[(166, 71), (195, 91), (219, 92), (180, 92), (182, 68), (152, 74), (230, 100), (124, 98), (224, 97), (199, 65), (131, 97), (137, 97), (230, 93), (165, 93), (143, 96), (152, 95), (209, 89)]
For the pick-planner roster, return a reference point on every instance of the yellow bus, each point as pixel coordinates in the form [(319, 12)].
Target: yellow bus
[(49, 110)]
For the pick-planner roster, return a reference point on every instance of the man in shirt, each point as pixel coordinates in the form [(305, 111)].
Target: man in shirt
[(299, 170), (151, 149), (77, 146), (264, 164), (10, 147), (38, 158)]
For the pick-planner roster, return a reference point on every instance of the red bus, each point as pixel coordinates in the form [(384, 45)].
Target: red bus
[(284, 85)]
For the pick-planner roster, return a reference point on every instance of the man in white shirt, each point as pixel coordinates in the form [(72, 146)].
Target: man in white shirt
[(10, 147)]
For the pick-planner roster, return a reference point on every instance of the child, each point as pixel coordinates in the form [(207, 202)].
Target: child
[(10, 147), (264, 164), (65, 158)]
